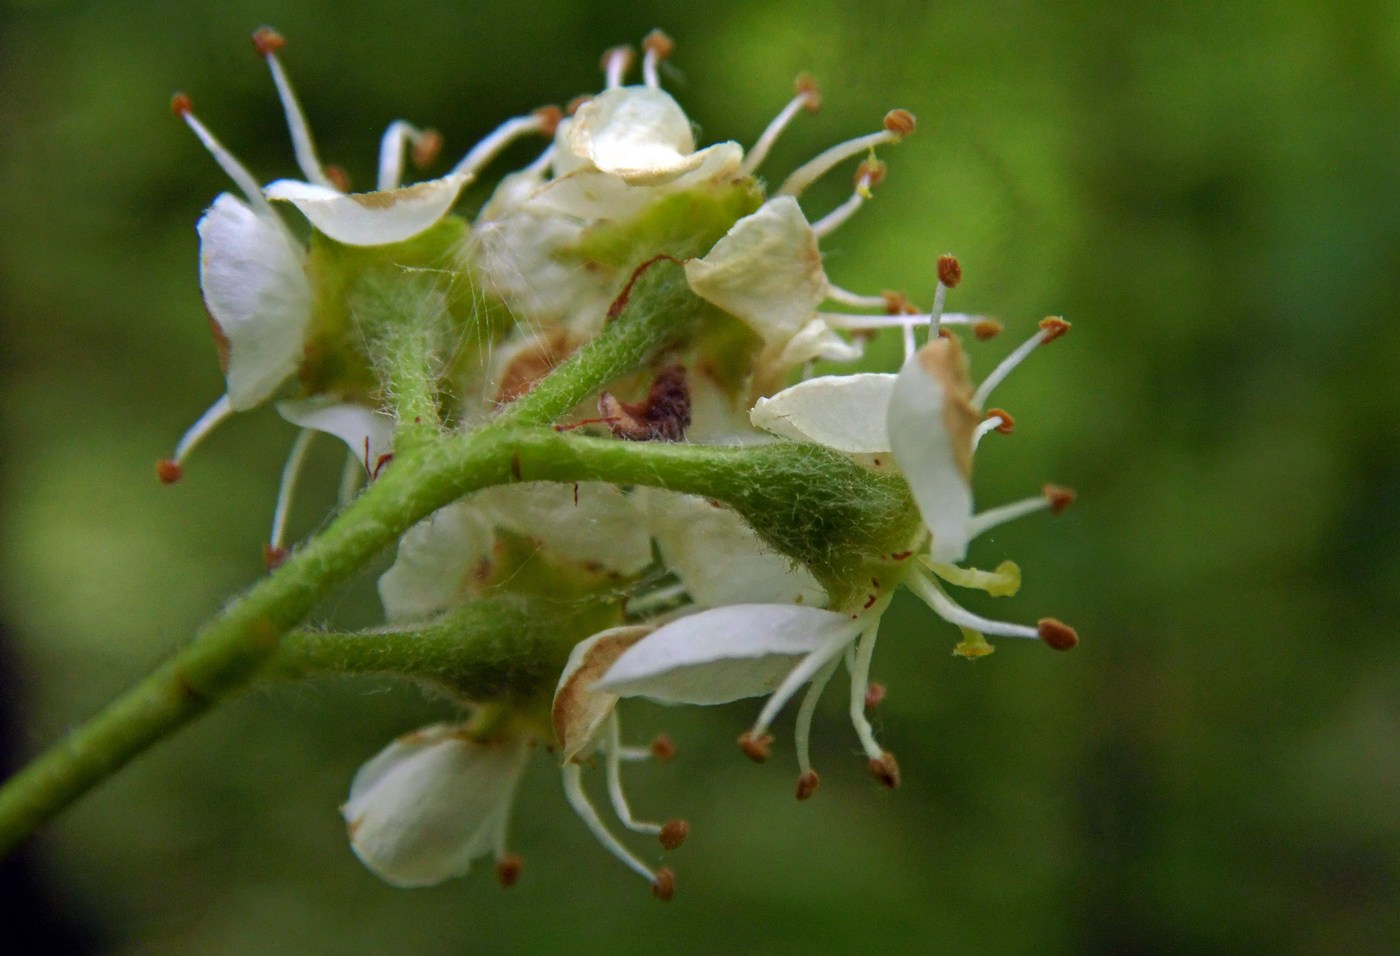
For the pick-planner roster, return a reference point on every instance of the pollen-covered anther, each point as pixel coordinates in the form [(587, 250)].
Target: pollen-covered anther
[(673, 834), (616, 62), (900, 122), (658, 44), (1059, 497), (169, 471), (549, 117), (273, 556), (985, 329), (757, 748), (885, 769), (874, 696), (664, 887), (508, 870), (949, 271), (339, 178), (1007, 426), (180, 104), (807, 784), (870, 173), (1053, 326), (807, 87), (427, 147), (268, 41), (662, 748), (1057, 634), (897, 303)]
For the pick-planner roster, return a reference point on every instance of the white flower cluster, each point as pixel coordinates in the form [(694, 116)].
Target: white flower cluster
[(711, 612)]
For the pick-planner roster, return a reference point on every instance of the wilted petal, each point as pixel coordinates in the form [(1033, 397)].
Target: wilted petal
[(742, 650), (436, 563), (365, 431), (843, 412), (579, 707), (636, 133), (931, 422), (371, 219), (257, 294), (430, 803), (718, 557), (590, 523)]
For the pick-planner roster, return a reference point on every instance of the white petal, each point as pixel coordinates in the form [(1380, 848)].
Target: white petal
[(637, 133), (436, 562), (371, 219), (743, 650), (720, 559), (579, 707), (604, 528), (365, 431), (767, 271), (257, 294), (931, 423), (428, 804), (843, 412)]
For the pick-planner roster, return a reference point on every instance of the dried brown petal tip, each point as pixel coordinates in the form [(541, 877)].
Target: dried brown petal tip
[(1057, 634), (658, 44), (1054, 326), (665, 886), (339, 178), (169, 471), (986, 329), (549, 117), (180, 104), (426, 148), (673, 834), (949, 271), (885, 769), (807, 784), (273, 557), (758, 749), (268, 41), (871, 172), (1008, 424), (899, 122), (662, 748), (1059, 497), (508, 870), (874, 696), (807, 86)]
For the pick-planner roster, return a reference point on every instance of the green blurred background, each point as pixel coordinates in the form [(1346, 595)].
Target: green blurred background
[(1207, 190)]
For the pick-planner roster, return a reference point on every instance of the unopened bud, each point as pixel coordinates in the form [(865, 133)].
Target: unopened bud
[(1059, 497), (169, 471), (1054, 326), (673, 834), (508, 870), (807, 784), (268, 41), (662, 748), (758, 749), (665, 886), (1057, 634), (885, 769), (949, 271), (900, 122)]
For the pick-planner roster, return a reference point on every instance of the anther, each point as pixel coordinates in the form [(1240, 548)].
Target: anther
[(665, 885), (986, 329), (662, 748), (615, 64), (869, 174), (949, 271), (573, 105), (549, 117), (273, 556), (806, 86), (1059, 497), (756, 748), (508, 870), (885, 769), (897, 303), (169, 471), (1053, 327), (180, 104), (1057, 634), (1007, 426), (673, 834), (874, 696), (427, 147), (338, 177), (658, 44), (807, 784), (268, 41), (900, 122)]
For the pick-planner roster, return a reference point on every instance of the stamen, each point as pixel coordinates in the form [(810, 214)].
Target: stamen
[(180, 104), (290, 471), (1050, 329), (616, 62), (508, 870), (615, 792), (673, 834), (973, 645), (573, 792), (808, 98), (805, 670), (1059, 497), (885, 300), (1057, 634), (812, 170), (869, 175), (397, 139), (985, 328), (1052, 497), (172, 469), (885, 769), (874, 695), (665, 886), (997, 420), (658, 47), (802, 733), (508, 132), (757, 748), (933, 595), (662, 748), (268, 41), (807, 784), (859, 664), (949, 275), (1003, 581)]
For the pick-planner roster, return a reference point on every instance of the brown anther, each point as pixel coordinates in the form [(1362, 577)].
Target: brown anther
[(986, 329), (807, 784), (949, 271), (180, 104), (806, 85), (169, 471), (624, 52), (885, 769), (662, 748), (874, 695), (1057, 634), (268, 41), (871, 171), (663, 415), (758, 749), (1059, 497), (549, 117), (899, 122), (673, 834), (1008, 424), (508, 870), (658, 44), (1054, 326), (571, 107), (665, 886), (339, 178), (426, 148), (896, 303), (273, 557)]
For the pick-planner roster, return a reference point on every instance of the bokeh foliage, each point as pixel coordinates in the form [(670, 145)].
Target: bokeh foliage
[(1206, 190)]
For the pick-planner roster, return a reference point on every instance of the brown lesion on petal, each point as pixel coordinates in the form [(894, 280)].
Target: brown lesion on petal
[(944, 361), (663, 415), (389, 198), (574, 715)]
